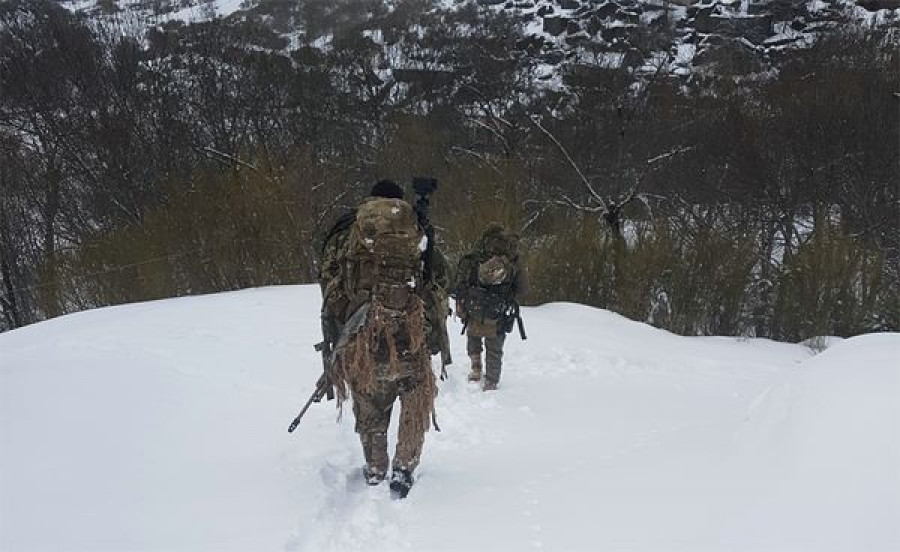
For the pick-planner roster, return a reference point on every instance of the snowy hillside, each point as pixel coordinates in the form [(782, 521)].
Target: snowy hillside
[(678, 37), (162, 426)]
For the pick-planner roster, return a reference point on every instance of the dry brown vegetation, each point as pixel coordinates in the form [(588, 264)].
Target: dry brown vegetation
[(192, 165)]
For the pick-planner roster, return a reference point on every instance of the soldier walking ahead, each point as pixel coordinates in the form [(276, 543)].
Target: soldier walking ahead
[(372, 277), (490, 281)]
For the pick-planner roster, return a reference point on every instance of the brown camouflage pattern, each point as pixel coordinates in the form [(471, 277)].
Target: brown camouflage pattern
[(373, 416), (387, 356)]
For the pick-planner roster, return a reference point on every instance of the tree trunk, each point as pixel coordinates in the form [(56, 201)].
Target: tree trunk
[(8, 303), (50, 290)]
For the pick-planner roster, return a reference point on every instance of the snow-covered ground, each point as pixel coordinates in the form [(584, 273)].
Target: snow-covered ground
[(162, 427)]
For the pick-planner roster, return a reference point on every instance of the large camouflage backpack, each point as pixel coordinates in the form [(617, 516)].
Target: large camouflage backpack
[(381, 254)]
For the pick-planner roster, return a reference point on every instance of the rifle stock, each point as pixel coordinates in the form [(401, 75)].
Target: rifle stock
[(324, 347), (520, 324)]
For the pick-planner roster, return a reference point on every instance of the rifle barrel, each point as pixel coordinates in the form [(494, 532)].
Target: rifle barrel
[(299, 417), (323, 387)]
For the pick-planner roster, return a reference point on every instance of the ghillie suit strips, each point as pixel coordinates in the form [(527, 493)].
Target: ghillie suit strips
[(384, 339), (375, 353)]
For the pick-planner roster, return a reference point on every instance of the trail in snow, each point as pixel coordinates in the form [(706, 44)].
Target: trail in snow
[(162, 426)]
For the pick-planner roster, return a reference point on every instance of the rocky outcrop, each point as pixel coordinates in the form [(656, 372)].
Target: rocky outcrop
[(632, 34), (651, 26)]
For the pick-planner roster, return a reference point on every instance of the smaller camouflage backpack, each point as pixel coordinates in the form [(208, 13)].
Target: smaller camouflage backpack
[(497, 254), (486, 277), (495, 270)]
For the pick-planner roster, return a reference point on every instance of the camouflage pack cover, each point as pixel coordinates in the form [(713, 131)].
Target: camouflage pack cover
[(496, 270)]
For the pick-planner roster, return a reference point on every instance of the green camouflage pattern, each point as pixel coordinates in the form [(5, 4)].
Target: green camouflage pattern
[(485, 333), (495, 241), (493, 347)]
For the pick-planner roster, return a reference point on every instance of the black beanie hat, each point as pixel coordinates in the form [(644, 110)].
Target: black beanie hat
[(387, 188)]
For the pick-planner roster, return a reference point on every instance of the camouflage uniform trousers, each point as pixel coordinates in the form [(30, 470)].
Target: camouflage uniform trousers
[(493, 361), (373, 416)]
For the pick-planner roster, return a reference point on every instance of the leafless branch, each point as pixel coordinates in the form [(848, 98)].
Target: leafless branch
[(571, 161), (227, 157), (337, 199), (478, 156), (670, 154), (536, 215)]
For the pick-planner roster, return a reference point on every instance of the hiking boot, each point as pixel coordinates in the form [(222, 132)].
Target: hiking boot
[(401, 482), (375, 450), (489, 385), (373, 475), (475, 372)]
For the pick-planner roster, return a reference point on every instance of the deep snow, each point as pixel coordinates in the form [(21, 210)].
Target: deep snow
[(162, 426)]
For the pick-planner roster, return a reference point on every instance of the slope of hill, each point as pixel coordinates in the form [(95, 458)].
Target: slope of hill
[(674, 37), (161, 426)]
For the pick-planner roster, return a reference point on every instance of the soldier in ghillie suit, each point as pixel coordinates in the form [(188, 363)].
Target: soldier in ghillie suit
[(374, 302), (490, 281)]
